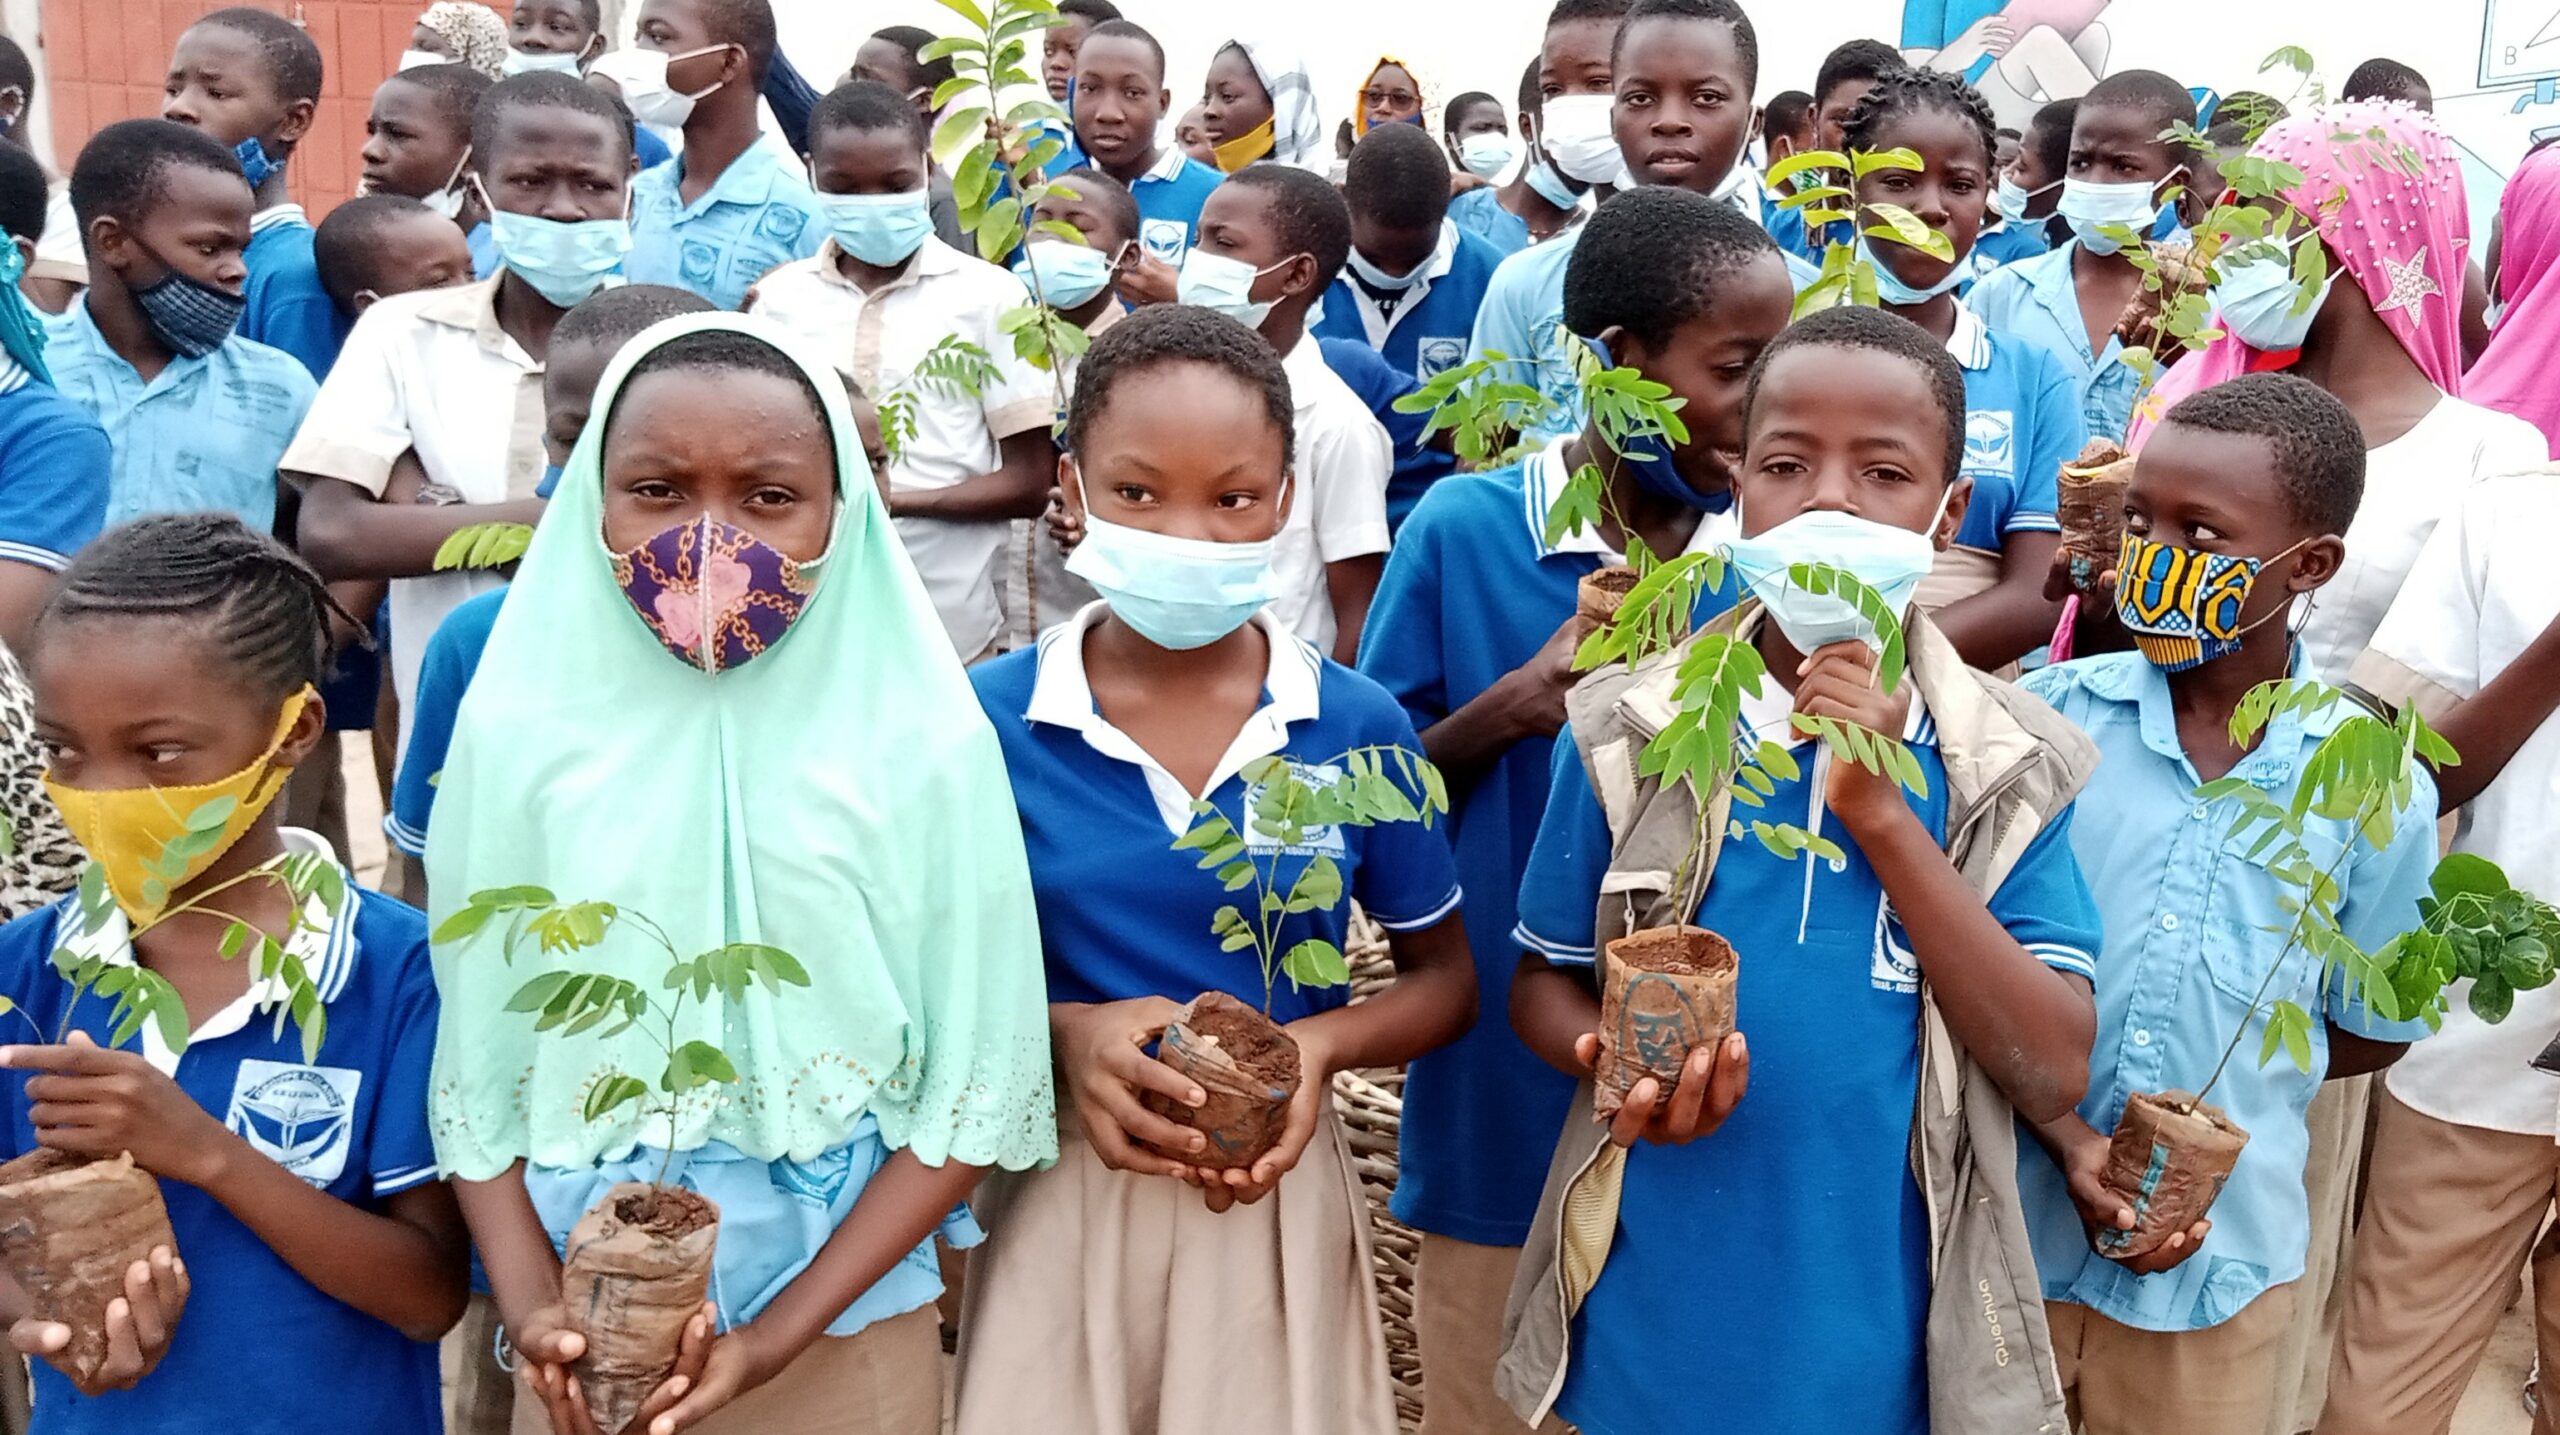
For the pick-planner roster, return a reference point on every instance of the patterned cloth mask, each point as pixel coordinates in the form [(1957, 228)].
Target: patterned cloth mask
[(2184, 607), (716, 596)]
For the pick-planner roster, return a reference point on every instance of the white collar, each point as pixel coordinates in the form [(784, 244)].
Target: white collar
[(1543, 477), (1062, 696), (274, 215), (1377, 318), (1307, 370), (1970, 342), (1168, 163)]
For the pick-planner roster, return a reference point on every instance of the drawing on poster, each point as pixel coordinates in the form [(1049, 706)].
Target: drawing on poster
[(2520, 46), (2021, 54)]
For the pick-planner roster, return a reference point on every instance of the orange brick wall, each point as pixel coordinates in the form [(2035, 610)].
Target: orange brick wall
[(102, 61)]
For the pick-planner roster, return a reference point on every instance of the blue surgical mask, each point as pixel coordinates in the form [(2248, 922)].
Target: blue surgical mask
[(1377, 278), (564, 260), (879, 229), (533, 62), (2091, 208), (1178, 593), (1890, 560), (2013, 198), (254, 164), (191, 317), (1070, 275), (1551, 186), (1652, 464), (1893, 291), (1488, 154), (1213, 281), (2257, 297)]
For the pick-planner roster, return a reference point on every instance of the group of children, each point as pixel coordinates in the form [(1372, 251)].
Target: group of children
[(936, 711)]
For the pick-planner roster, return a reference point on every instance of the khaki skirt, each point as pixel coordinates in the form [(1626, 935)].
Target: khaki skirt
[(1109, 1303), (884, 1379)]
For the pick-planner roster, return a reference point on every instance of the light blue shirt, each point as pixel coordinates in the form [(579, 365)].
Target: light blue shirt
[(756, 216), (2185, 909), (2035, 300), (1480, 213), (203, 434), (2021, 425)]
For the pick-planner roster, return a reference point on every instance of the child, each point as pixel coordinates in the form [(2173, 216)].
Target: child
[(917, 1055), (2068, 301), (1191, 136), (251, 80), (55, 464), (178, 658), (1475, 134), (59, 270), (1415, 279), (1120, 102), (1787, 127), (1112, 1296), (453, 377), (1474, 632), (2022, 413), (894, 57), (2028, 190), (418, 145), (1847, 73), (567, 37), (1271, 239), (198, 414), (1062, 43), (1537, 203), (2255, 478), (377, 245), (1945, 981)]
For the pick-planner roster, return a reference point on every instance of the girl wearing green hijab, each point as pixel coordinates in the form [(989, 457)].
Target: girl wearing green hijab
[(719, 697)]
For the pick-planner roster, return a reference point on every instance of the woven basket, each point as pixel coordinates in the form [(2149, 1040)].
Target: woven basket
[(1371, 1104)]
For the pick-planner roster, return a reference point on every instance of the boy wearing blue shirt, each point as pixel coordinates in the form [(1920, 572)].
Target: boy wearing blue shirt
[(251, 80), (728, 210), (1474, 631), (1903, 1001), (1538, 203), (1414, 280), (54, 458), (567, 37), (417, 143), (1120, 102), (197, 414), (2255, 479)]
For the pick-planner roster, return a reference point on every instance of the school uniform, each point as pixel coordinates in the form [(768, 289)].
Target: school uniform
[(55, 467), (2022, 422), (2005, 242), (483, 244), (429, 372), (288, 309), (1344, 460), (758, 214), (59, 252), (1472, 591), (1039, 592), (876, 338), (2036, 300), (203, 433), (351, 1122), (1480, 212), (1422, 330), (2464, 1163), (1170, 196), (444, 675), (1418, 462), (1809, 1185), (1107, 1302), (2195, 923)]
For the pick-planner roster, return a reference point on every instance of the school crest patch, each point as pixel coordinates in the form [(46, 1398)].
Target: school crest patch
[(1433, 357), (1893, 967), (1166, 239), (1990, 443), (300, 1117), (1324, 841)]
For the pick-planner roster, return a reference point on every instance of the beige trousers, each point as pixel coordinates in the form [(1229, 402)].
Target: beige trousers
[(2122, 1381), (885, 1379), (479, 1397), (2340, 1120), (1459, 1292)]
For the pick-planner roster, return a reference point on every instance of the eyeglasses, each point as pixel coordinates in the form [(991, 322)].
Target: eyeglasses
[(1389, 99)]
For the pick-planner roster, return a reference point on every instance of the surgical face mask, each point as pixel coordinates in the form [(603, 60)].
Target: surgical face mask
[(1890, 560), (419, 59), (1893, 291), (447, 201), (1582, 139), (190, 316), (642, 74), (1489, 154), (2013, 198), (1377, 278), (1551, 186), (2091, 208), (564, 260), (1070, 275), (1178, 593), (531, 62), (2184, 607), (879, 229), (713, 594), (255, 167), (1213, 281), (2257, 298)]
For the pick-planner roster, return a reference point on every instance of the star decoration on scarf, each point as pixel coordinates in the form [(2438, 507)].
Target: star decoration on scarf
[(2409, 282)]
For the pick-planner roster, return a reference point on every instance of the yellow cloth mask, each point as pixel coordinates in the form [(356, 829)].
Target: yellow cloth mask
[(152, 841), (1245, 148)]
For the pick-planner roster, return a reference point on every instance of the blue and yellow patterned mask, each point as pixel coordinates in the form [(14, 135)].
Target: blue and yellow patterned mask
[(2184, 607)]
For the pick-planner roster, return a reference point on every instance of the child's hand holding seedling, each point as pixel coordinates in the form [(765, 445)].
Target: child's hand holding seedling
[(1839, 684), (1711, 1084), (2081, 1152), (94, 1102), (1537, 687), (138, 1327), (1316, 1068), (1102, 1057), (546, 1347)]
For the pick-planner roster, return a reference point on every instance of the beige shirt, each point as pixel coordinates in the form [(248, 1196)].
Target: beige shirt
[(877, 339)]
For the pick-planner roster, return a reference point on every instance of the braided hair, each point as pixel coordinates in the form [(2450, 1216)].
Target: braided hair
[(261, 607), (1908, 91)]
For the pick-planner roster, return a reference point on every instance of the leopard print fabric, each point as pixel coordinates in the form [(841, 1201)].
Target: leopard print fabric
[(42, 862)]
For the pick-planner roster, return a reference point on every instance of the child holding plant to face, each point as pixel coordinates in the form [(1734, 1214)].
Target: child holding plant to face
[(1166, 1276), (174, 671), (1872, 1152), (714, 599)]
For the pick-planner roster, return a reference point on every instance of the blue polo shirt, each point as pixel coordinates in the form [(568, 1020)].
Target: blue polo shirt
[(353, 1123), (204, 433), (54, 473), (2035, 300), (1804, 1200), (2006, 243), (756, 216), (1122, 914), (649, 150), (484, 249), (288, 309), (1169, 195), (1423, 330), (1471, 592), (444, 674), (1479, 212), (2187, 909), (1418, 464), (2022, 422)]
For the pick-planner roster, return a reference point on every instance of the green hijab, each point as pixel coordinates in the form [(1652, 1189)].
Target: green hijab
[(841, 797)]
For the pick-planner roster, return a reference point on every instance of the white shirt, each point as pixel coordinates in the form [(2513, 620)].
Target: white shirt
[(1340, 508), (2409, 484), (59, 254), (877, 339), (2483, 589), (428, 371)]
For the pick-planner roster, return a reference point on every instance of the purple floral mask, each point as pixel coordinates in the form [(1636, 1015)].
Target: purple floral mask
[(716, 596)]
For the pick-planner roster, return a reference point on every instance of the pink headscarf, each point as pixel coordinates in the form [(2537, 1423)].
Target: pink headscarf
[(2402, 238), (2518, 374)]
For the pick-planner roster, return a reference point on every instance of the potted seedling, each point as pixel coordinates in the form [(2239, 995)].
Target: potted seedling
[(2172, 1151), (70, 1226), (638, 1263), (1247, 1064)]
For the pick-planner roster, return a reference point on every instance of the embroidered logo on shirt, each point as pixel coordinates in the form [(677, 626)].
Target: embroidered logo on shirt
[(1437, 356), (296, 1116), (1326, 841), (1893, 968), (1166, 239), (1989, 445), (818, 1180)]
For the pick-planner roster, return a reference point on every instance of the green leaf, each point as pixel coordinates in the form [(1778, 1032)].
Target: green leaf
[(2467, 873), (1866, 162), (537, 993), (610, 1091), (483, 545), (708, 1063), (2492, 998), (1802, 161), (958, 126), (1315, 963)]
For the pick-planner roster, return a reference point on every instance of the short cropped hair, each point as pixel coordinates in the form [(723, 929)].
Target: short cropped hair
[(23, 193), (1162, 334), (346, 245), (611, 318), (1879, 331), (542, 90), (291, 58), (1746, 41), (2160, 100), (1308, 214), (911, 39), (1100, 191), (1456, 109), (747, 24), (1787, 112), (1116, 29), (2317, 444), (1854, 60), (863, 106), (1565, 12), (1398, 177), (1092, 12), (2049, 135), (16, 70), (455, 89), (1649, 260), (2382, 79), (124, 169)]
